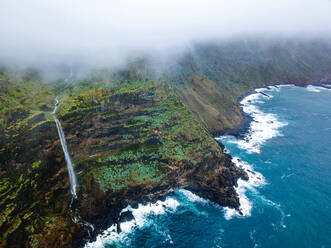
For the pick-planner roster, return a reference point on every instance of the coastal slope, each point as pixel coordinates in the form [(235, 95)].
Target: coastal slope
[(133, 136), (211, 77), (130, 142)]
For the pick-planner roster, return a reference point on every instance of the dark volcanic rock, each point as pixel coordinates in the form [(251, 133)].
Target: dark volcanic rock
[(132, 141), (125, 216), (157, 144)]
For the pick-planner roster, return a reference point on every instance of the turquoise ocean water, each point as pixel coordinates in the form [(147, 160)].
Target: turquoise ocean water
[(287, 200)]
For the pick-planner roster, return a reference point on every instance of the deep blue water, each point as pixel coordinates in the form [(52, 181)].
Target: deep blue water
[(290, 145)]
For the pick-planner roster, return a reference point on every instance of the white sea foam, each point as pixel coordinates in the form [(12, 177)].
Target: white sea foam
[(278, 207), (192, 197), (140, 215), (140, 219), (327, 87), (255, 179), (287, 175), (252, 238), (259, 90), (264, 126), (317, 89), (313, 88), (282, 86)]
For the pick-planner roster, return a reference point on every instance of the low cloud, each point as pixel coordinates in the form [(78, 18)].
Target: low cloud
[(107, 32)]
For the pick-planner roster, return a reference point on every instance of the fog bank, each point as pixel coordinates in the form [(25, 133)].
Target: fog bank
[(101, 32)]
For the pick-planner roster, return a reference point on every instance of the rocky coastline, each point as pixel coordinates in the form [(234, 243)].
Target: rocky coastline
[(240, 130), (195, 185), (130, 127), (209, 173), (132, 138)]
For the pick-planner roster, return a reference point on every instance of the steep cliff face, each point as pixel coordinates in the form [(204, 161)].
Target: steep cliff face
[(130, 142), (211, 77), (33, 183), (135, 141)]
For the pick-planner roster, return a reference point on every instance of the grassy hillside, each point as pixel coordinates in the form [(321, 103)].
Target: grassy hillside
[(130, 141), (211, 77), (132, 137)]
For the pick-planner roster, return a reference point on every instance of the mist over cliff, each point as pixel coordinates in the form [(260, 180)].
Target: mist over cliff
[(55, 34)]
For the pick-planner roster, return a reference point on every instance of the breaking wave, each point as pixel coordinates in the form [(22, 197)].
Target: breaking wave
[(317, 89), (263, 126), (140, 215), (255, 179), (119, 233)]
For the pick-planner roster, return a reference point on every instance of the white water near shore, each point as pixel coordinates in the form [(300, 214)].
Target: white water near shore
[(263, 127), (140, 215), (141, 218), (253, 201), (255, 179), (317, 89), (192, 197)]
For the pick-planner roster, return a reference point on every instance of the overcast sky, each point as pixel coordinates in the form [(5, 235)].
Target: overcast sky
[(37, 31)]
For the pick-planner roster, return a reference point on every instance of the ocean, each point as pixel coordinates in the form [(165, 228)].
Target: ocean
[(285, 203)]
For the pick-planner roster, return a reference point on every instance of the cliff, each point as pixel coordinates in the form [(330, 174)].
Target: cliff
[(211, 77), (132, 136), (131, 141)]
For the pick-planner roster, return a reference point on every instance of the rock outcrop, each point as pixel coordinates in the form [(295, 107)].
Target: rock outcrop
[(130, 142), (131, 139)]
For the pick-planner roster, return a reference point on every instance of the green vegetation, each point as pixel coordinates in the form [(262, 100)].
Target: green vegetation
[(154, 133), (121, 135), (27, 181), (131, 137), (211, 77), (22, 98)]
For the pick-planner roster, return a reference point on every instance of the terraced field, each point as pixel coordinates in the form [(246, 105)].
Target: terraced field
[(130, 141)]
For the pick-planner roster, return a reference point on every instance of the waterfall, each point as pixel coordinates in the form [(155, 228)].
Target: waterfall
[(72, 176), (74, 212)]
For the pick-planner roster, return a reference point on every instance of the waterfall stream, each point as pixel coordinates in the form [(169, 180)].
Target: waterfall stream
[(72, 176)]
